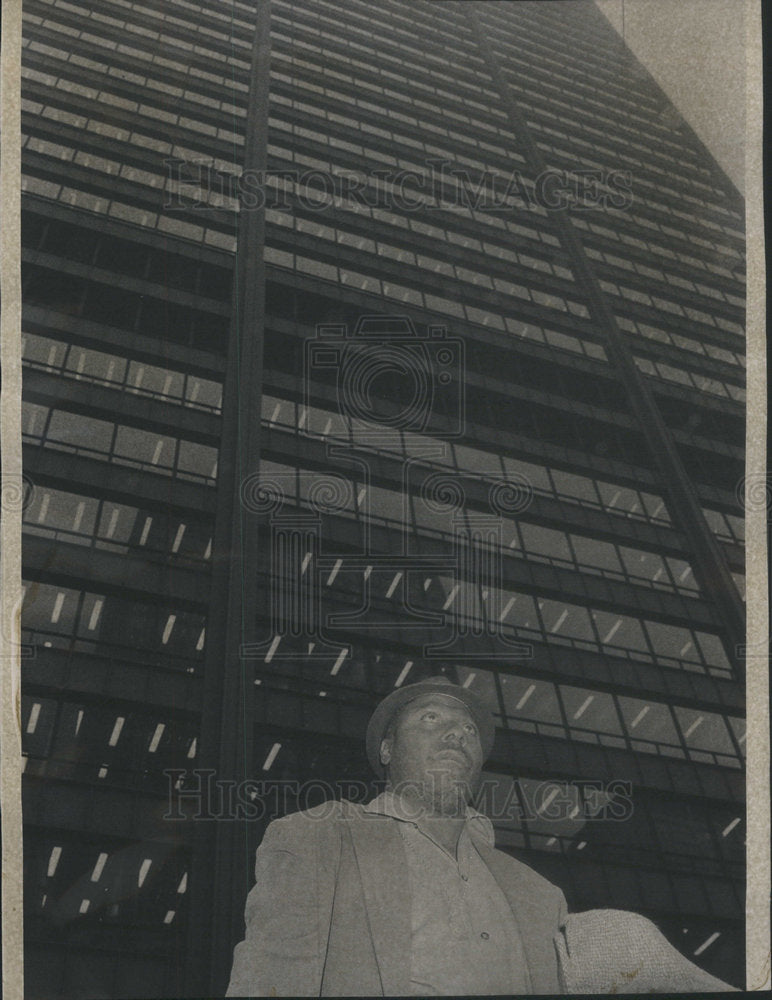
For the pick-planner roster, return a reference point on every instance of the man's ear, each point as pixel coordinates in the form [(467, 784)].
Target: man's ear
[(385, 751)]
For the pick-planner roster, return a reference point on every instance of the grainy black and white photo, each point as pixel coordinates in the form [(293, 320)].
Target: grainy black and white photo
[(383, 504)]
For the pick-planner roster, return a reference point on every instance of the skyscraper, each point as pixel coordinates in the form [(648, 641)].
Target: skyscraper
[(363, 343)]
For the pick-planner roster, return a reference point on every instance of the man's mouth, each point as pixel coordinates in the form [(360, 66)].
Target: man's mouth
[(454, 753)]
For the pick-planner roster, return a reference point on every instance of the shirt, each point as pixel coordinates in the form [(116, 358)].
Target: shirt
[(465, 939)]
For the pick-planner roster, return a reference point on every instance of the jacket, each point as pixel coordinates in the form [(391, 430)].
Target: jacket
[(330, 916)]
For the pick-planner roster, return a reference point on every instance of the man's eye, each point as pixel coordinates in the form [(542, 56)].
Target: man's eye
[(431, 716), (470, 728)]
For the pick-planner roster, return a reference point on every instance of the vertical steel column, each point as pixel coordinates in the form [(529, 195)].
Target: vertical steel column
[(711, 569), (223, 849)]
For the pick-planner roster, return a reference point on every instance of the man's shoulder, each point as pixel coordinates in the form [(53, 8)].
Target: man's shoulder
[(314, 832), (325, 814), (331, 810)]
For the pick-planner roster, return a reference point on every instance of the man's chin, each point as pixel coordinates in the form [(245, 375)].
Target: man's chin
[(453, 781), (451, 799), (450, 782)]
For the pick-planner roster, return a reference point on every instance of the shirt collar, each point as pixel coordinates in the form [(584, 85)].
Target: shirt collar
[(394, 806)]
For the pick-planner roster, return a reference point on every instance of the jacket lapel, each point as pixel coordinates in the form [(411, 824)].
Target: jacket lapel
[(382, 867), (537, 925)]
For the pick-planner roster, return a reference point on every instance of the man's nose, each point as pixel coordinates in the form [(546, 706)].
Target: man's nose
[(455, 732)]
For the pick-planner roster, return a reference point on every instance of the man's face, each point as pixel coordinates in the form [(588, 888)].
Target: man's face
[(435, 746)]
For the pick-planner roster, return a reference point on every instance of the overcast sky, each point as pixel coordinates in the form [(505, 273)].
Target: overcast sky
[(695, 49)]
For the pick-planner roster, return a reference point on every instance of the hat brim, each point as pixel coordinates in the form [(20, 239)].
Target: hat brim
[(397, 700)]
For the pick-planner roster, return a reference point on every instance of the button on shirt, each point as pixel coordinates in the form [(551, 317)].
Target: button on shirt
[(465, 939)]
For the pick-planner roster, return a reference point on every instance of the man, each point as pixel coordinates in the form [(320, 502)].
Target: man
[(408, 896)]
